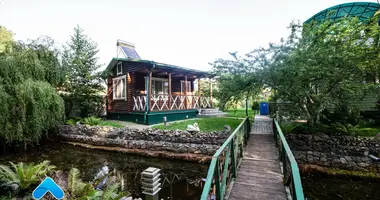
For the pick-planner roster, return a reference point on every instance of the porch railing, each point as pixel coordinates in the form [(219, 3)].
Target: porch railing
[(223, 166), (139, 102), (163, 102), (292, 178)]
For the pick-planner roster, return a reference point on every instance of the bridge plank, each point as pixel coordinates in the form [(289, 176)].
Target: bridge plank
[(259, 175)]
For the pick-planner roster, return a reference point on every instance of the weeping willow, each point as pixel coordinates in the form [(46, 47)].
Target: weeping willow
[(29, 104)]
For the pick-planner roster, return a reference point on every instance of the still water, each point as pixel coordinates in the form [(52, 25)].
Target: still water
[(181, 180), (324, 187)]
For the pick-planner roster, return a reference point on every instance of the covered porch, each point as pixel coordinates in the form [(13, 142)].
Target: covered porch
[(168, 89)]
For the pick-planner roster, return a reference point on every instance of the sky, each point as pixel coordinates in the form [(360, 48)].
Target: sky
[(187, 33)]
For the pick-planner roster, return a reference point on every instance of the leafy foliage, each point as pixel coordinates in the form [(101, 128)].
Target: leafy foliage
[(92, 121), (30, 105), (319, 68), (289, 127), (77, 189), (346, 128), (25, 176), (6, 40), (83, 84), (255, 105), (236, 80)]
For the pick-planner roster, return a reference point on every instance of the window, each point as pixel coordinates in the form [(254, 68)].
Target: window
[(119, 68), (183, 86), (120, 88), (160, 86)]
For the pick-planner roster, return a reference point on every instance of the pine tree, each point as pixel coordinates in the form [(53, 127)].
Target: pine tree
[(84, 83)]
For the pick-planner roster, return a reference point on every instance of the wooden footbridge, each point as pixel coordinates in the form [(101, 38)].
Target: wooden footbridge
[(254, 163)]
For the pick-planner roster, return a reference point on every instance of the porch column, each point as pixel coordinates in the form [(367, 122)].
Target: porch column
[(211, 92), (150, 91), (170, 91), (186, 92), (199, 87), (199, 93)]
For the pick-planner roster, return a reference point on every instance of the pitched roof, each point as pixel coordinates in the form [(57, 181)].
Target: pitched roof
[(157, 65)]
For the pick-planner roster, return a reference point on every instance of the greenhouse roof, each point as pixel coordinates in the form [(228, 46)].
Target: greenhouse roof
[(362, 10)]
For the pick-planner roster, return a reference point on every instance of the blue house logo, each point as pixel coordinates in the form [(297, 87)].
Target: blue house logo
[(48, 185)]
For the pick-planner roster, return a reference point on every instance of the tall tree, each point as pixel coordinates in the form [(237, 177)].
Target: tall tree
[(6, 39), (29, 105), (317, 67), (84, 83), (236, 79)]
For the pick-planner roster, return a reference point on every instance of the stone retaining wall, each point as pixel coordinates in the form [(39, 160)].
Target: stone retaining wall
[(149, 140), (345, 152)]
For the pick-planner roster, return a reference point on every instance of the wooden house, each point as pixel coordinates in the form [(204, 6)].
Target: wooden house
[(150, 92)]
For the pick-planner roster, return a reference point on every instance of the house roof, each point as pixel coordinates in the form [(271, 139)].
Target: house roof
[(146, 65), (362, 10)]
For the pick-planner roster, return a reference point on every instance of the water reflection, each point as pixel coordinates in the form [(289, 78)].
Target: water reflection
[(322, 187), (181, 180)]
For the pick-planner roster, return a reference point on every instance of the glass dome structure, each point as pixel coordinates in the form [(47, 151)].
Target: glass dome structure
[(362, 10)]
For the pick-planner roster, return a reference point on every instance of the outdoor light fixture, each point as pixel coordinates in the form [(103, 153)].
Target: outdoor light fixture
[(150, 180), (165, 120), (166, 84)]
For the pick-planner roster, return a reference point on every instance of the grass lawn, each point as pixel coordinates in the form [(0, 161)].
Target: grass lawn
[(95, 122), (111, 123), (240, 113), (368, 131), (205, 124)]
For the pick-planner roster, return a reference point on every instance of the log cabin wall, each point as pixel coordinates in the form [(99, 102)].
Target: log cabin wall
[(120, 105), (130, 90)]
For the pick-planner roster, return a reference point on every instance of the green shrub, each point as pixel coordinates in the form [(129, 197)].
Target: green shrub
[(92, 121), (255, 105), (342, 115), (289, 127), (72, 121), (348, 129)]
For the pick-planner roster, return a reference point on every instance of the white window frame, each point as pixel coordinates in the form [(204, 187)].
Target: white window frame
[(188, 87), (114, 87), (120, 64), (163, 85)]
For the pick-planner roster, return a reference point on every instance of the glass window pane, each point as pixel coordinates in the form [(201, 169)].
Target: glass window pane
[(159, 89), (153, 87), (123, 86)]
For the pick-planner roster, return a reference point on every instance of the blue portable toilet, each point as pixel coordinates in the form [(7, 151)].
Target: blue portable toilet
[(264, 108)]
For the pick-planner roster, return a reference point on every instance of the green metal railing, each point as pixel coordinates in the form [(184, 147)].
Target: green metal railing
[(292, 177), (223, 166)]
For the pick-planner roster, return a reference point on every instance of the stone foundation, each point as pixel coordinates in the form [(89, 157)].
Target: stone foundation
[(183, 145), (345, 152)]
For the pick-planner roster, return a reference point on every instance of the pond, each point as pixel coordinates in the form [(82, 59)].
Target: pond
[(181, 180), (324, 187)]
